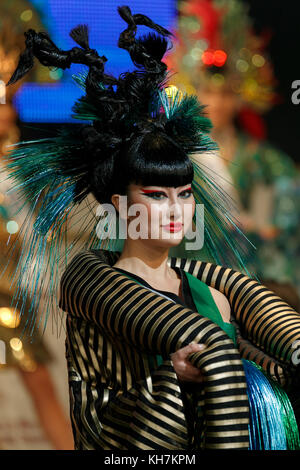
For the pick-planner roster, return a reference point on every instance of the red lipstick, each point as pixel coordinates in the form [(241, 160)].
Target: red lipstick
[(173, 227)]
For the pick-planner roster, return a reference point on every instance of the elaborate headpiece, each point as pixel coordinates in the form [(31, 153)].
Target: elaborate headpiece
[(132, 122)]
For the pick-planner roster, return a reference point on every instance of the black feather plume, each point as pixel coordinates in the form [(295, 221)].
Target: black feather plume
[(138, 19), (155, 46), (80, 34), (126, 15), (26, 59), (26, 62), (145, 21)]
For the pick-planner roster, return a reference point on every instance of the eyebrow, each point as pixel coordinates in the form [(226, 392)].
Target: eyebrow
[(151, 191), (160, 191)]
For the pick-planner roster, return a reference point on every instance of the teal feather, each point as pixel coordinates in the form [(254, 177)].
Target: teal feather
[(187, 119), (219, 223), (39, 176), (82, 108), (79, 78)]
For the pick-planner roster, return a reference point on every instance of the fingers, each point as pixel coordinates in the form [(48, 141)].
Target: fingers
[(183, 367), (194, 347), (190, 373), (187, 350)]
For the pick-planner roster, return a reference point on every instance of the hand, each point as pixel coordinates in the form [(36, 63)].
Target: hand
[(184, 369)]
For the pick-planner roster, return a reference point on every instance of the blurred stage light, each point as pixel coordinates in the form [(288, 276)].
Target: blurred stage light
[(9, 318)]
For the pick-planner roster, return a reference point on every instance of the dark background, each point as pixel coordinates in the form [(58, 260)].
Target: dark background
[(283, 18)]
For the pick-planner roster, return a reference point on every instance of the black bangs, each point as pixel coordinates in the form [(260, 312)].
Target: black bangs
[(154, 159)]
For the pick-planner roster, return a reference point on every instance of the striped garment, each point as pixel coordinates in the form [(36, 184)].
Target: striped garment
[(114, 324)]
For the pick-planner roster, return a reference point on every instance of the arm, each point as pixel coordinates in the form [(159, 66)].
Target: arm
[(246, 348), (252, 353), (269, 327), (223, 305), (264, 319), (92, 290)]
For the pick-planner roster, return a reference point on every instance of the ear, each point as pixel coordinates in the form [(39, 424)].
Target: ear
[(115, 199)]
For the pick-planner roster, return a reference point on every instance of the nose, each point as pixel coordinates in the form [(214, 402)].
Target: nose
[(175, 210)]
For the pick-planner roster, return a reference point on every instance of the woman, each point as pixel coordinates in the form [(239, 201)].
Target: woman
[(136, 320)]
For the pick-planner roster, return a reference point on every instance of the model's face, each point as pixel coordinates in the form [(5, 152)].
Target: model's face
[(163, 213)]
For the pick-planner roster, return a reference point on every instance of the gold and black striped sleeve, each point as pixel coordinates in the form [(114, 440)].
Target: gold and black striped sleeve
[(96, 292)]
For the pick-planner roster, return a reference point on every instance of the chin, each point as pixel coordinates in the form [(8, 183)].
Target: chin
[(167, 243)]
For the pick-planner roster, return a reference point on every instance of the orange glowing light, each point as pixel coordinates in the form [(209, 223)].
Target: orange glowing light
[(219, 58), (208, 57)]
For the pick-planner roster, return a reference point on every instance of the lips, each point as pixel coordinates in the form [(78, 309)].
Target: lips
[(173, 227)]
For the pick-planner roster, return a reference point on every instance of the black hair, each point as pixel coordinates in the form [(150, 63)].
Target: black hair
[(150, 159)]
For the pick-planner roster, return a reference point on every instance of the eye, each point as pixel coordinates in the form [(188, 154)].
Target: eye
[(157, 195), (186, 193)]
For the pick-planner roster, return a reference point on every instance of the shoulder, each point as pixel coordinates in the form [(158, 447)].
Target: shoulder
[(79, 258), (89, 256), (87, 261), (78, 263), (77, 276), (222, 303)]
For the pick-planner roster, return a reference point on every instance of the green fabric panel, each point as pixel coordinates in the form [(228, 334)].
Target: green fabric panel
[(206, 305)]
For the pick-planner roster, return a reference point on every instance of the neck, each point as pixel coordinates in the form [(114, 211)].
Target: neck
[(144, 260)]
